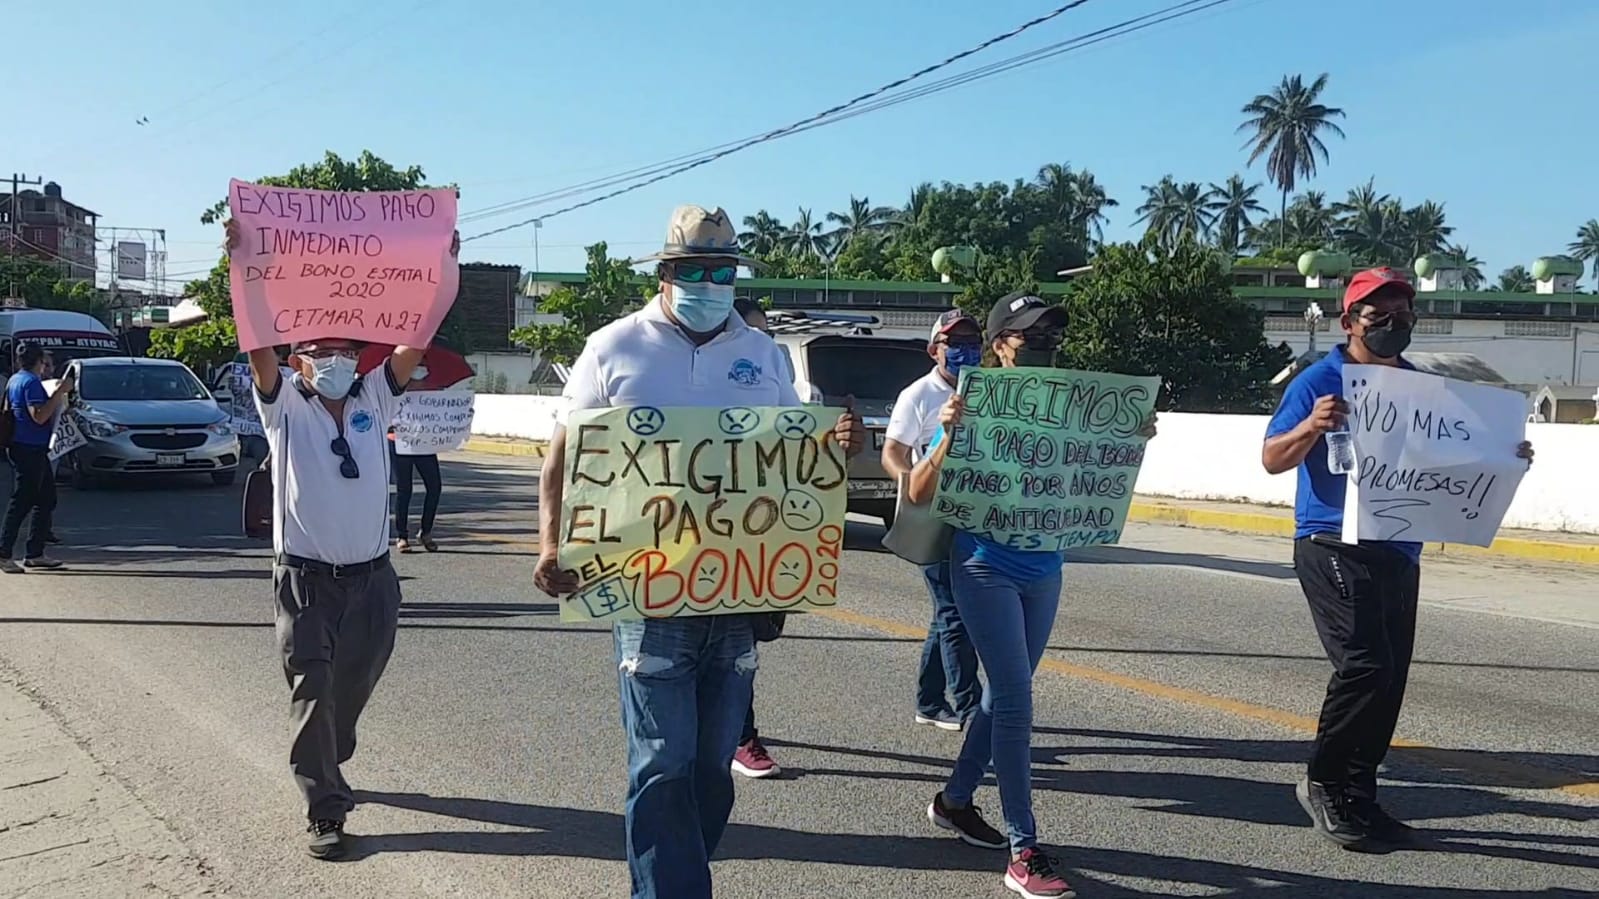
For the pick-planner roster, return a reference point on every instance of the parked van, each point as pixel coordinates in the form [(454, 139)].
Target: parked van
[(65, 335)]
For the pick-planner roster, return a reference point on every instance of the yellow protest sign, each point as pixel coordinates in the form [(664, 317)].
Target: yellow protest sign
[(701, 511)]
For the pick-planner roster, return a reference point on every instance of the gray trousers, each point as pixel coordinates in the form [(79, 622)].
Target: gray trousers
[(336, 635)]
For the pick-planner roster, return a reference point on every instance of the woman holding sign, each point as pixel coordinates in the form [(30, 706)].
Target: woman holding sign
[(1007, 599)]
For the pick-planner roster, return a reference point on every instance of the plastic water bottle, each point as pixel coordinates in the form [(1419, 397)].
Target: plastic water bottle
[(1340, 451)]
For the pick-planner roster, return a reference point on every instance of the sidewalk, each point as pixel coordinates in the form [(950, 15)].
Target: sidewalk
[(1245, 518), (68, 828)]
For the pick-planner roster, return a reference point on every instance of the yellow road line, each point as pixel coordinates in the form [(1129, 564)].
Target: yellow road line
[(1511, 773)]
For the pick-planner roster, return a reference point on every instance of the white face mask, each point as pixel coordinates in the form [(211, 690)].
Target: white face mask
[(332, 376)]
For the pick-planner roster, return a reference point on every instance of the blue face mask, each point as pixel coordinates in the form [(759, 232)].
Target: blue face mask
[(959, 357), (702, 308)]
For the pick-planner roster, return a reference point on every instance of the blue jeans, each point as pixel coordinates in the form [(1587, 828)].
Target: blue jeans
[(1009, 622), (685, 684), (948, 660)]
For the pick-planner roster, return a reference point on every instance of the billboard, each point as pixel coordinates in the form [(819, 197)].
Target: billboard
[(131, 260)]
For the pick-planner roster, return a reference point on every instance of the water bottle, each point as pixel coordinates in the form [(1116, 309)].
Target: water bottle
[(1340, 451)]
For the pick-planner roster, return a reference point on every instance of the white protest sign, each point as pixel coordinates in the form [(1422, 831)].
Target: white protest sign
[(246, 418), (432, 421), (1437, 456), (67, 436)]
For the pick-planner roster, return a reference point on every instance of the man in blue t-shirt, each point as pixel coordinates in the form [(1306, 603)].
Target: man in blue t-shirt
[(1362, 597), (34, 487)]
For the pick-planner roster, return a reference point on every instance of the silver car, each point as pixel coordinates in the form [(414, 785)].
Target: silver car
[(148, 416)]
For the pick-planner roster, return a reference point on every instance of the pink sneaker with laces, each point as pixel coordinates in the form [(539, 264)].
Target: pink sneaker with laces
[(1033, 874), (752, 760)]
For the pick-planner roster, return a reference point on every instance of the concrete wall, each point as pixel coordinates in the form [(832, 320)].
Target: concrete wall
[(1569, 354), (1217, 457)]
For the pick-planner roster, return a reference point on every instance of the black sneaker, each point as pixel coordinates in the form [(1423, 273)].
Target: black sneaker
[(1332, 814), (1384, 826), (10, 566), (967, 823), (42, 563), (52, 540), (327, 840)]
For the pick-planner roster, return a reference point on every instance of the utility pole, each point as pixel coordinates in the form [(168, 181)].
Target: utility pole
[(14, 213)]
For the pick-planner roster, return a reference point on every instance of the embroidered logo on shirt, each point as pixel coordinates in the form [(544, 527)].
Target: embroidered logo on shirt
[(361, 422), (745, 373)]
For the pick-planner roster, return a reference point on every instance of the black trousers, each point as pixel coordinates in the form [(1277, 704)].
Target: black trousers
[(1363, 601), (405, 467), (33, 491)]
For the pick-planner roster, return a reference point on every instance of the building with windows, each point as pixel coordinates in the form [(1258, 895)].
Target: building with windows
[(45, 225), (1531, 338)]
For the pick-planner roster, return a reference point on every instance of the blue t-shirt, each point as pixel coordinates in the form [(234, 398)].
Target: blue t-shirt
[(1319, 501), (24, 390), (1021, 564)]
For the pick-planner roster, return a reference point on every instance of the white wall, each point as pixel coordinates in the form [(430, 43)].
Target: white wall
[(1217, 457), (522, 417), (1571, 359)]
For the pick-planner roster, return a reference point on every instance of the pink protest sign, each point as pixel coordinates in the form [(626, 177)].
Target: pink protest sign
[(373, 266)]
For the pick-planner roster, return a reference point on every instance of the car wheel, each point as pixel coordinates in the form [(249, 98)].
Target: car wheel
[(224, 478), (82, 478)]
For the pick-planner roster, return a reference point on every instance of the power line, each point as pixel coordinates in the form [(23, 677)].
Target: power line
[(779, 132)]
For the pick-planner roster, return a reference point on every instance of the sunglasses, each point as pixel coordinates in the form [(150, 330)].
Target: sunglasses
[(695, 273), (347, 466), (1403, 318)]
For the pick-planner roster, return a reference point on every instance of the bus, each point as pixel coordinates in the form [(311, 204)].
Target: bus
[(65, 335)]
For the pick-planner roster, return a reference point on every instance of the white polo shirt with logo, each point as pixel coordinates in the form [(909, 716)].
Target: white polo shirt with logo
[(644, 359), (914, 420), (318, 513)]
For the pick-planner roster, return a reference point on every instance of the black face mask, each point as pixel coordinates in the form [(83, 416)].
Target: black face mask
[(1388, 341)]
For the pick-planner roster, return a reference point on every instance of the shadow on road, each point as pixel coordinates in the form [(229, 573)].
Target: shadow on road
[(1123, 555)]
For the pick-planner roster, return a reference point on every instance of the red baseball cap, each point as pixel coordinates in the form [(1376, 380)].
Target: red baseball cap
[(949, 321), (1372, 280)]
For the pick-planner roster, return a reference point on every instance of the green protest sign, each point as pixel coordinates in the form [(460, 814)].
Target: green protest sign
[(1045, 458), (701, 511)]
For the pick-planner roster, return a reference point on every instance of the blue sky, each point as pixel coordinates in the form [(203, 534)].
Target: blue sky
[(1487, 107)]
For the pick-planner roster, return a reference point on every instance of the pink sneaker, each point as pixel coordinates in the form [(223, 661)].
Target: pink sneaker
[(1033, 875), (752, 760)]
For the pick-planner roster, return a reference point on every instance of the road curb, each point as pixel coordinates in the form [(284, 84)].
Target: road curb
[(1265, 524), (1283, 526), (503, 448)]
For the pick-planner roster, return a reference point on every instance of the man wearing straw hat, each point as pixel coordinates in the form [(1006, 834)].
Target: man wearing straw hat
[(685, 682)]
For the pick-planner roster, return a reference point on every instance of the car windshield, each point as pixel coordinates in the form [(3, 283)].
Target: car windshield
[(866, 369), (139, 382)]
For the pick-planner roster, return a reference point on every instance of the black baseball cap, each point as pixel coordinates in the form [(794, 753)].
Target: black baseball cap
[(1019, 311)]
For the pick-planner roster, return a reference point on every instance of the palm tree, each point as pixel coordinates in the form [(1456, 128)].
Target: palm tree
[(1076, 198), (1287, 122), (1371, 226), (862, 219), (1586, 247), (1424, 229), (763, 235), (1310, 219), (805, 237), (1470, 266), (921, 198), (1515, 279), (1175, 212), (1230, 206)]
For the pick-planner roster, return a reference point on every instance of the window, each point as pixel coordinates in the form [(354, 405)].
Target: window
[(139, 382), (867, 369)]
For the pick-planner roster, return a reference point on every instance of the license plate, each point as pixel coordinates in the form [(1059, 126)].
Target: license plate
[(169, 460), (874, 489)]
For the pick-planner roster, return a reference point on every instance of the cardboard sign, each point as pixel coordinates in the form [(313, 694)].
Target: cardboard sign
[(245, 417), (372, 266), (1045, 458), (1436, 457), (67, 436), (701, 511), (432, 421)]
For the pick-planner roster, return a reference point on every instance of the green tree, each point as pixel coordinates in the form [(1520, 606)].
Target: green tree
[(763, 234), (805, 237), (1515, 279), (1424, 229), (1230, 206), (1150, 310), (1285, 125), (994, 277), (216, 339), (1586, 247), (610, 291), (1175, 212), (1470, 266), (861, 220), (44, 285), (1372, 227)]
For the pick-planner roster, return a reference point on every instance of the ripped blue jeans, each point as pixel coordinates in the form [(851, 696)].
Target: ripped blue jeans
[(686, 684)]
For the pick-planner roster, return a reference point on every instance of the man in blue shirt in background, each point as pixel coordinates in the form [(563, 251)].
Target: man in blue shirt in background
[(34, 487), (1362, 597)]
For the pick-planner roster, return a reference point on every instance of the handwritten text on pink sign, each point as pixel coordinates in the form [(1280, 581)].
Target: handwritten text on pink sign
[(373, 266)]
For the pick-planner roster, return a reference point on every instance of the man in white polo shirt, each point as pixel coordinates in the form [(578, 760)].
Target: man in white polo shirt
[(685, 682), (949, 663), (338, 599)]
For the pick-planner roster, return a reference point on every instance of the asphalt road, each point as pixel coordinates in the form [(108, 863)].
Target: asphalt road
[(1172, 715)]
